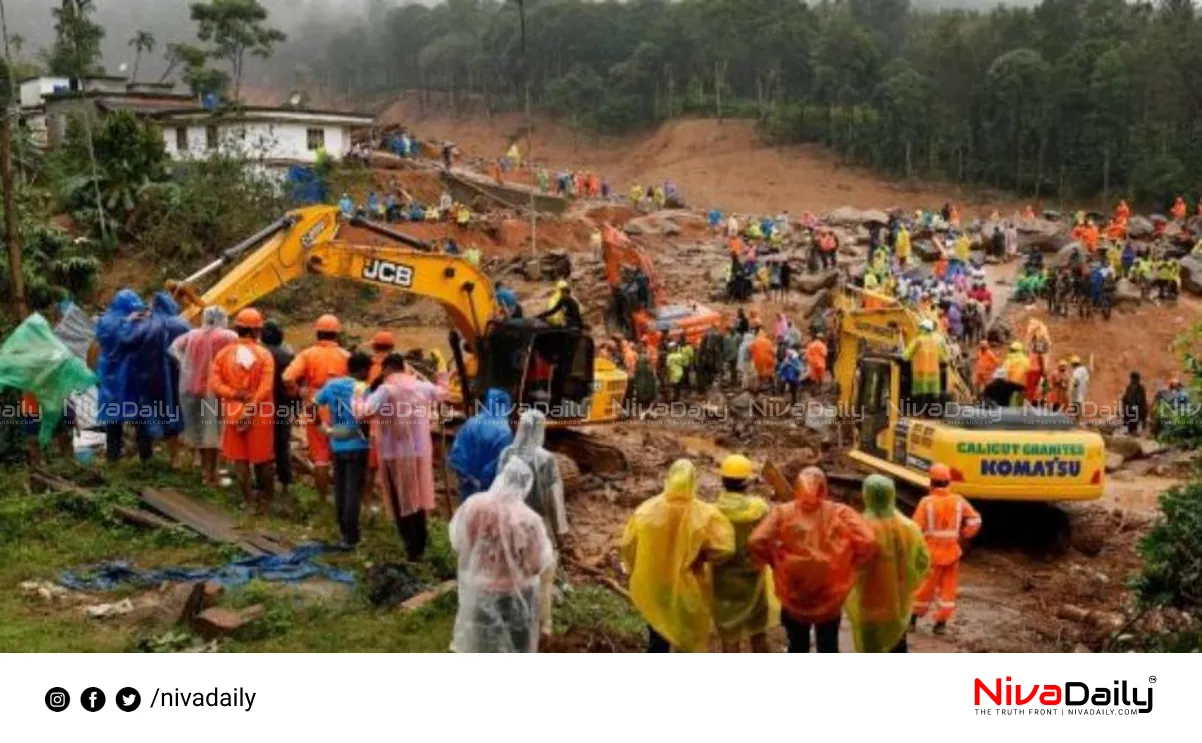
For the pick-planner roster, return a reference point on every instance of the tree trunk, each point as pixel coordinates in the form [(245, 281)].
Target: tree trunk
[(1106, 174), (11, 218), (1043, 146), (719, 72), (909, 169)]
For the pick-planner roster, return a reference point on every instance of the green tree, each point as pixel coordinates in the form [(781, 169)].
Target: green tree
[(76, 50), (142, 41), (236, 28)]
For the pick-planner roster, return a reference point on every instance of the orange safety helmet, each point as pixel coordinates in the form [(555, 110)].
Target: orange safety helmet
[(940, 473), (328, 324), (249, 318), (383, 339)]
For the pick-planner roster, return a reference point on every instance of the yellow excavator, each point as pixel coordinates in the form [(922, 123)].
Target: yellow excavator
[(1005, 454), (552, 368)]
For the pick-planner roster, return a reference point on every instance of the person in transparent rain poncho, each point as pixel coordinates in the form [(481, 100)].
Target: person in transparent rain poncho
[(195, 351), (546, 498), (503, 549)]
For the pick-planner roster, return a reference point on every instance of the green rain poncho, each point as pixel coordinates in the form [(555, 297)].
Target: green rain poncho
[(744, 600), (34, 360), (880, 603)]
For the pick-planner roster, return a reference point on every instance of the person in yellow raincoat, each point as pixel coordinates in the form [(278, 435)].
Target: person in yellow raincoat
[(903, 245), (557, 318), (667, 548), (925, 353), (744, 600), (880, 603)]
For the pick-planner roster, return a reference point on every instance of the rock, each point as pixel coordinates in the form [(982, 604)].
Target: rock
[(844, 216), (718, 273), (1127, 447), (221, 622), (635, 227), (1191, 274), (808, 283), (671, 229), (742, 403), (1064, 254), (1126, 292), (1138, 227), (1114, 462), (926, 250), (977, 258), (1044, 242), (1151, 447), (874, 215)]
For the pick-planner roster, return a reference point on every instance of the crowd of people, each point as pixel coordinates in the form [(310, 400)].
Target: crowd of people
[(397, 205), (737, 567)]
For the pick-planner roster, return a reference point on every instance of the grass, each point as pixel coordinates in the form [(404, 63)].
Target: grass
[(45, 533)]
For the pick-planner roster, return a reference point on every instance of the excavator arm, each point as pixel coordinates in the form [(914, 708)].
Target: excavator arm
[(620, 252), (305, 242)]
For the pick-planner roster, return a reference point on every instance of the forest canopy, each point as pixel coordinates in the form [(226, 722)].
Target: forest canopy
[(1070, 98)]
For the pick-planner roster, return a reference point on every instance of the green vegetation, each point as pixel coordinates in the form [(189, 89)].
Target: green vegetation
[(1069, 98), (43, 534)]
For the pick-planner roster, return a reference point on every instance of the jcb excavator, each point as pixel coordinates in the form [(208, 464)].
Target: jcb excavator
[(638, 302), (1012, 454), (574, 386)]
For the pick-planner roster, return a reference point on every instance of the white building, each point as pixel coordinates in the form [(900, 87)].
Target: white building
[(273, 136), (47, 102)]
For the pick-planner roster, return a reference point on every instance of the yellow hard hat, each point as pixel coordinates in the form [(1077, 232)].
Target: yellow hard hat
[(736, 467), (1074, 359), (1016, 346), (562, 284)]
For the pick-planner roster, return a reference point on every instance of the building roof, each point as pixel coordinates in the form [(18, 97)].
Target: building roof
[(128, 94), (145, 104), (266, 113), (85, 78)]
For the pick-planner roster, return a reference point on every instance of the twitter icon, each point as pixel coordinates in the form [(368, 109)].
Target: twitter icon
[(128, 699)]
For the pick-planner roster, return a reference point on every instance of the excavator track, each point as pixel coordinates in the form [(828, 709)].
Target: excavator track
[(591, 455)]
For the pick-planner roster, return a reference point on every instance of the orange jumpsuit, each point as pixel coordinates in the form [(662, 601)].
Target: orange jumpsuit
[(945, 518), (984, 368), (1178, 210), (763, 356), (235, 374), (816, 360), (311, 369)]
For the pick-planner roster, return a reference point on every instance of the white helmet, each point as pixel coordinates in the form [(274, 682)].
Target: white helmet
[(926, 325)]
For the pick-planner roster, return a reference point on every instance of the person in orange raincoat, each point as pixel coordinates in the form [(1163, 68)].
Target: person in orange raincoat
[(763, 357), (816, 354), (941, 265), (651, 347), (945, 519), (1035, 372), (1028, 212), (984, 366), (630, 357), (307, 373), (242, 377), (814, 547), (1056, 397), (1122, 212), (1178, 211), (382, 344)]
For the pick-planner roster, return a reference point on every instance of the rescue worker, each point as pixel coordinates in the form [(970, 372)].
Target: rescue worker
[(112, 372), (285, 403), (479, 443), (816, 355), (307, 373), (667, 549), (503, 549), (883, 597), (241, 377), (1078, 389), (946, 519), (338, 398), (985, 366), (730, 352), (382, 346), (644, 382), (152, 376), (400, 410), (744, 603), (902, 245), (563, 309), (709, 359), (1178, 210), (1056, 395), (814, 547), (763, 359), (507, 300), (1014, 375), (675, 371), (545, 498), (195, 351), (1135, 404), (789, 373), (925, 353)]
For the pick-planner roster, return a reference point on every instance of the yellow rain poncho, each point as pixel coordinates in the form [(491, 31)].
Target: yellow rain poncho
[(744, 600), (666, 549), (880, 602)]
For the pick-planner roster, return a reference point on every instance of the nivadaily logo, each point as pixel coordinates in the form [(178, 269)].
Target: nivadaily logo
[(1068, 698)]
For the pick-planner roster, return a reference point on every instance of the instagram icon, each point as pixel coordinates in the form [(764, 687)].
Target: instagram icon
[(57, 699)]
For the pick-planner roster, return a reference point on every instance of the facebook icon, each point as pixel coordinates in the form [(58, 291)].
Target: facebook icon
[(92, 699)]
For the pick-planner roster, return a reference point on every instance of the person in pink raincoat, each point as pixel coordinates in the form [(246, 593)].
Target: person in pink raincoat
[(400, 410), (781, 328)]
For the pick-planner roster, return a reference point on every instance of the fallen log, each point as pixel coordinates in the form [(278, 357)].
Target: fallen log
[(138, 517)]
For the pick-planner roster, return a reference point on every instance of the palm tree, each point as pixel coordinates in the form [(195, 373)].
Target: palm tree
[(17, 42), (143, 41)]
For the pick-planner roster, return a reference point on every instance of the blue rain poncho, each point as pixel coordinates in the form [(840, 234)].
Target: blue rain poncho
[(152, 372), (111, 372), (479, 444), (34, 360)]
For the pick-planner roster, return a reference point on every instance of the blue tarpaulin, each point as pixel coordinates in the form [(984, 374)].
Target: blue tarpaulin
[(305, 186), (293, 567)]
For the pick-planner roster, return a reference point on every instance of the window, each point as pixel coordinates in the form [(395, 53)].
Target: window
[(211, 137), (316, 139), (181, 138)]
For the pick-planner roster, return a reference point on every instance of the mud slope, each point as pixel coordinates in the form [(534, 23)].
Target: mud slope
[(719, 164)]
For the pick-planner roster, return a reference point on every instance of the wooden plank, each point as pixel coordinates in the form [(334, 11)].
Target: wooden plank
[(419, 600), (199, 517), (138, 517)]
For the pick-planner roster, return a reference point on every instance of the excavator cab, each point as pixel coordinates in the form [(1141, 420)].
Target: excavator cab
[(541, 366)]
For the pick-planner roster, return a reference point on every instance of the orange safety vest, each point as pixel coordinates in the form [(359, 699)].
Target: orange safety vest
[(945, 518)]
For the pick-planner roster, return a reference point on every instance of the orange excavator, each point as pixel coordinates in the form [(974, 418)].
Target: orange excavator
[(637, 301)]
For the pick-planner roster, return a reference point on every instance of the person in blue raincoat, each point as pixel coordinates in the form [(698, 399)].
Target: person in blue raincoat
[(152, 374), (112, 373), (479, 443)]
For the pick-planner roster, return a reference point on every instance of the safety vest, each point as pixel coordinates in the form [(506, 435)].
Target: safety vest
[(944, 518), (925, 359)]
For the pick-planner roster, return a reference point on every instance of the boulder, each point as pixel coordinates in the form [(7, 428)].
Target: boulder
[(844, 216), (635, 227), (1127, 447), (874, 215), (1126, 292), (1044, 242), (1139, 227), (926, 250), (812, 283), (1114, 462), (1151, 447), (1191, 274), (1194, 224), (742, 404), (1064, 254), (1037, 226)]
